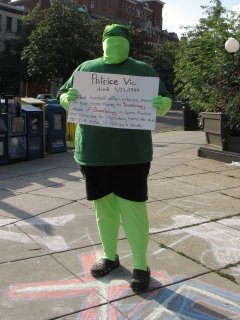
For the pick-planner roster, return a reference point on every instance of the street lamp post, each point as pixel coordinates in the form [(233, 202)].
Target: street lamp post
[(232, 46)]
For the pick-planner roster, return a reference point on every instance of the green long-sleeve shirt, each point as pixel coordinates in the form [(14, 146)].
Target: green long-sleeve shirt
[(103, 146)]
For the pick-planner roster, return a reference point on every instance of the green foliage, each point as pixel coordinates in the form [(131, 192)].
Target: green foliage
[(12, 68), (139, 47), (60, 38), (31, 21), (97, 26), (59, 43), (233, 114), (163, 61), (207, 76)]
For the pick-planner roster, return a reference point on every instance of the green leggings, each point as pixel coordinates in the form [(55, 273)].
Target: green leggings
[(134, 217)]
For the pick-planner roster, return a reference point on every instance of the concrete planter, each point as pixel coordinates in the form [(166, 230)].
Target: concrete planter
[(220, 144), (214, 126)]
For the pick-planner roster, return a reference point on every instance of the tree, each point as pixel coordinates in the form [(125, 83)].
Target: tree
[(31, 21), (139, 44), (59, 43), (63, 38), (163, 61), (11, 68), (95, 38), (208, 77)]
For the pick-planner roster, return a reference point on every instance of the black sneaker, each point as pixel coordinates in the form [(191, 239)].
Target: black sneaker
[(140, 279), (104, 266)]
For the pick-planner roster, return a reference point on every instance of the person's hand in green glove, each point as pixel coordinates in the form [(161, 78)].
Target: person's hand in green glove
[(162, 104), (67, 97)]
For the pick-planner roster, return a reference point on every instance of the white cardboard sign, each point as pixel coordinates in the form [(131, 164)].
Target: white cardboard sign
[(114, 100)]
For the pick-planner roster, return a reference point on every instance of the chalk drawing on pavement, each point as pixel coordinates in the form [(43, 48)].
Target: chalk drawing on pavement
[(177, 221), (54, 243), (191, 300), (223, 243)]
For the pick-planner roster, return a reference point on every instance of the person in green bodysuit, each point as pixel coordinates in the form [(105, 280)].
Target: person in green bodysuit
[(116, 162)]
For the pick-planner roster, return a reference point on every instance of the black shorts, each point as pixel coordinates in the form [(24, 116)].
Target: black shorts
[(126, 181)]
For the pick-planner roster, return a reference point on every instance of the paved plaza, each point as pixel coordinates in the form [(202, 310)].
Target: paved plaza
[(49, 240)]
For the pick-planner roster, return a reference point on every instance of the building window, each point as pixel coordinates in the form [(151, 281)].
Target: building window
[(92, 5), (9, 24), (19, 25), (109, 3)]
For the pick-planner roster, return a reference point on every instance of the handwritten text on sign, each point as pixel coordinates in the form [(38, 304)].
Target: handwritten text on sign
[(113, 100)]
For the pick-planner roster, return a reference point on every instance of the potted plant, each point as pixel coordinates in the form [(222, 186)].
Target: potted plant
[(208, 77), (233, 122), (222, 123)]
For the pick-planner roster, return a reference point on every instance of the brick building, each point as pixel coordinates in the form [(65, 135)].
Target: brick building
[(145, 14), (28, 5)]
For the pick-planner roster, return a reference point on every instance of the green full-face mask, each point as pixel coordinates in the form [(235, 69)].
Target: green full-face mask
[(115, 49), (115, 43)]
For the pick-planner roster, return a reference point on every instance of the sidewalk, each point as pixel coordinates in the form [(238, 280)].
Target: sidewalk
[(49, 240)]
